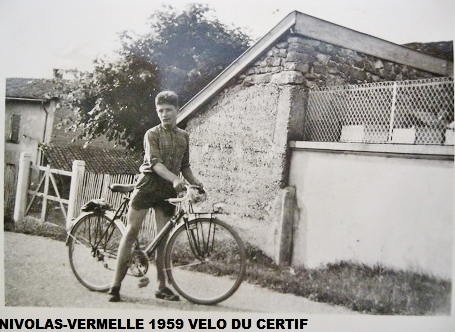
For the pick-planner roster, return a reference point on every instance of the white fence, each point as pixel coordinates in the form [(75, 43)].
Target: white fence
[(97, 186), (406, 112), (84, 187)]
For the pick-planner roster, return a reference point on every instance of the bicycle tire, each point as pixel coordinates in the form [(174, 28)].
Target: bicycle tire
[(205, 265), (92, 248)]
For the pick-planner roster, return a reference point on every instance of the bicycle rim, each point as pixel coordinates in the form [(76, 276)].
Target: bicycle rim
[(205, 261), (93, 246)]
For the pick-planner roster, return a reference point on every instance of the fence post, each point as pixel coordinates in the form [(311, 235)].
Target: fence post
[(77, 177), (392, 112), (25, 161), (47, 173)]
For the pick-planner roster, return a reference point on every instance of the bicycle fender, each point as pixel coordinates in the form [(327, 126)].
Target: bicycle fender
[(109, 214)]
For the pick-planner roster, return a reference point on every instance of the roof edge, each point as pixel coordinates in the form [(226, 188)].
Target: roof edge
[(316, 28), (246, 58), (26, 99), (319, 29)]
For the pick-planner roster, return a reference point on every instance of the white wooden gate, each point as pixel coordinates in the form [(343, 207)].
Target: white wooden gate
[(47, 179)]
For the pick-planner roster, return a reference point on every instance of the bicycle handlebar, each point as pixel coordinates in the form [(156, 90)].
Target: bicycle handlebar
[(187, 195)]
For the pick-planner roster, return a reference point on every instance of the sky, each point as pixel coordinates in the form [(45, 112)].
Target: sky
[(39, 35)]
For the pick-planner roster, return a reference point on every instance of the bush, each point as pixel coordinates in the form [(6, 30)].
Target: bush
[(33, 226)]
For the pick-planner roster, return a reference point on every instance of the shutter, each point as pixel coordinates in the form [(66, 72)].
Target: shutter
[(15, 128)]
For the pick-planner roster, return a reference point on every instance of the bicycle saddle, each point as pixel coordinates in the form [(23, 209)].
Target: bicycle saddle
[(121, 188)]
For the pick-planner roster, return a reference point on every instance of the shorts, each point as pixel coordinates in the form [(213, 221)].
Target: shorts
[(150, 191)]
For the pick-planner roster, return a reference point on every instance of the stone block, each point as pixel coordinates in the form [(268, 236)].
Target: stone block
[(277, 69), (294, 39), (297, 57), (288, 77), (283, 52), (301, 67), (332, 67), (262, 78), (276, 62), (310, 42), (378, 64), (282, 45), (323, 58), (319, 69), (297, 47)]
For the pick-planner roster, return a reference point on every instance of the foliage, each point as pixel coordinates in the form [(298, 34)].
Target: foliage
[(183, 51)]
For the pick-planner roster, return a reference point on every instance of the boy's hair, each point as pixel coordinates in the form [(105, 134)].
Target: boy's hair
[(167, 97)]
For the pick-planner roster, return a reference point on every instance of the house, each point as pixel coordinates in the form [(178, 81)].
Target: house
[(29, 116), (33, 124), (308, 201)]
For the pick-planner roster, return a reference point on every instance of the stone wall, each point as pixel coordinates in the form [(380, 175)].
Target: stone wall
[(238, 149), (312, 63), (239, 138)]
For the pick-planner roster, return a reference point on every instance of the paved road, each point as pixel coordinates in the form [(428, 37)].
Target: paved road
[(37, 274)]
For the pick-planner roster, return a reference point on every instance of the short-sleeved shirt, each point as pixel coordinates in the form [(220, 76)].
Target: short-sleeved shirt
[(169, 147)]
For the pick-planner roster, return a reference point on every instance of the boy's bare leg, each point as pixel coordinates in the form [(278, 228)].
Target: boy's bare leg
[(160, 219), (135, 219)]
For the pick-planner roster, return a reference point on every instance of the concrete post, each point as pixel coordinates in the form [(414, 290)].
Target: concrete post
[(285, 227), (25, 161), (76, 183)]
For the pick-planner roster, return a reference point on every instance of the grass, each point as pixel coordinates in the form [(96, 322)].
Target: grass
[(372, 290)]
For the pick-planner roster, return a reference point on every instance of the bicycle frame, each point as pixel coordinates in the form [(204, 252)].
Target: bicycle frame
[(166, 230), (174, 220)]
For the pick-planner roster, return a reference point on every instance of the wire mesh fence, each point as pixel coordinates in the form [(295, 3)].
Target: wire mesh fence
[(405, 112)]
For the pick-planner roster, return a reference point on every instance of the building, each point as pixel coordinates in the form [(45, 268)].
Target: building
[(305, 202)]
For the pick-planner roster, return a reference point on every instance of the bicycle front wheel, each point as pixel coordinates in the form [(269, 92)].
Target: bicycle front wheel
[(205, 260), (92, 246)]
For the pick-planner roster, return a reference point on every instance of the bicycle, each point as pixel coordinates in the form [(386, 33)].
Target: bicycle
[(205, 258)]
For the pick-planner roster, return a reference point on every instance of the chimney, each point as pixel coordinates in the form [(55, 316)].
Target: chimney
[(58, 73)]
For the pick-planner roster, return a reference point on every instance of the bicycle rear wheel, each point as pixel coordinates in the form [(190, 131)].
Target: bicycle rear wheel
[(92, 246), (205, 260)]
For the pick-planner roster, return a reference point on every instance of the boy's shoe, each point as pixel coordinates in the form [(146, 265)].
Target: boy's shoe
[(166, 294), (114, 293)]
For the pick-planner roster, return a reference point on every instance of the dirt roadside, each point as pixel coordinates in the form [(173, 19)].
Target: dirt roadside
[(37, 274)]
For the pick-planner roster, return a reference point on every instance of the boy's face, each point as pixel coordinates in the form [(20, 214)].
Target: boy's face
[(167, 114)]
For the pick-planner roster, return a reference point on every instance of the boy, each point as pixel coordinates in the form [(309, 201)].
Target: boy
[(166, 156)]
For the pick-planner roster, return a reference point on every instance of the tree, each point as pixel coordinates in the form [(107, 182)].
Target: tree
[(183, 51)]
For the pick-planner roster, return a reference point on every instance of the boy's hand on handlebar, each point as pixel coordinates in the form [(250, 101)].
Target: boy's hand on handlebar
[(200, 185), (179, 184)]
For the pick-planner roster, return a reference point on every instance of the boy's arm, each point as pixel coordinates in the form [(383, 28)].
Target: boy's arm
[(188, 175), (166, 174)]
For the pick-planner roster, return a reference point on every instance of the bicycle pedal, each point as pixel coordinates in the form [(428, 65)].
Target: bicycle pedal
[(143, 282)]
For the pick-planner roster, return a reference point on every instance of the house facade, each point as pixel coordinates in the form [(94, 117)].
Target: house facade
[(29, 117), (245, 129), (33, 124)]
